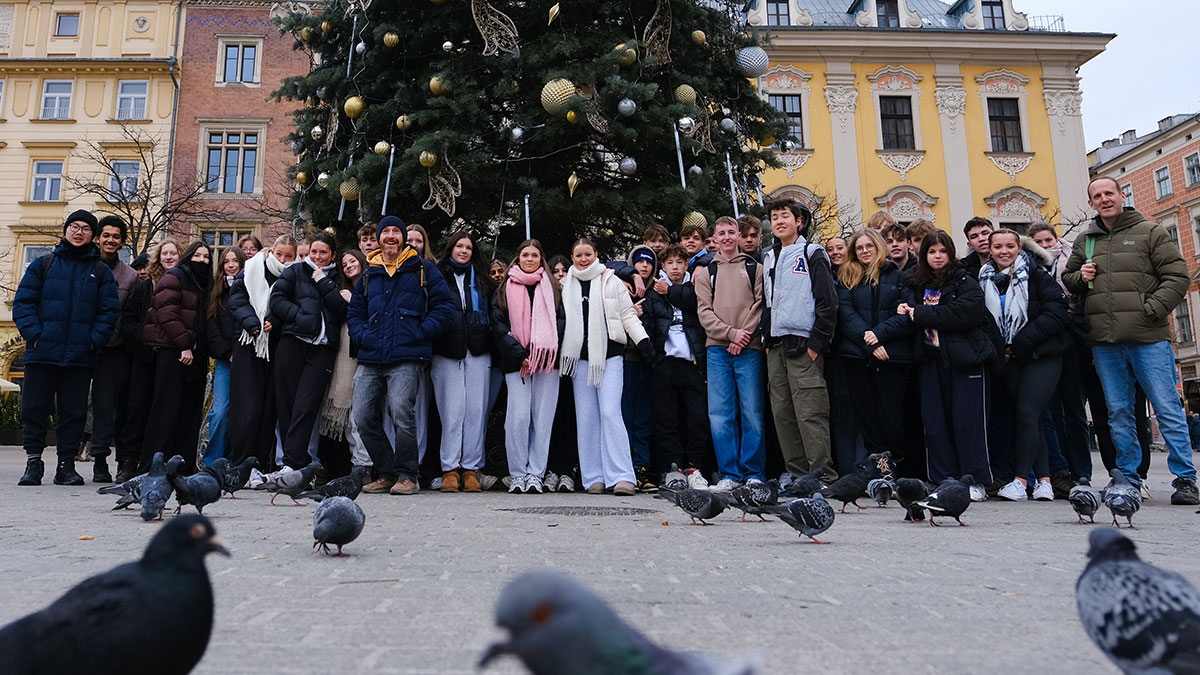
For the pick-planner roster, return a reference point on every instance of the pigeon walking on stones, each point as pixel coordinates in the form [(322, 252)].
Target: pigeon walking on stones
[(200, 489), (557, 626), (849, 488), (909, 491), (951, 498), (128, 493), (809, 517), (293, 483), (1146, 619), (236, 477), (1085, 501), (1122, 498), (752, 496), (346, 486), (804, 486), (337, 521), (156, 489), (701, 505), (880, 490), (149, 617)]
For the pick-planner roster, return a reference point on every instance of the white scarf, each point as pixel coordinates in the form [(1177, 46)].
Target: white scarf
[(572, 293), (255, 279), (1011, 319)]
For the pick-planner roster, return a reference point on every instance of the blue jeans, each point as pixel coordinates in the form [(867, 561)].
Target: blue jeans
[(1153, 366), (636, 410), (735, 398), (394, 388), (218, 427)]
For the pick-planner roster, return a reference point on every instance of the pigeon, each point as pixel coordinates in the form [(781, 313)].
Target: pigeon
[(292, 483), (849, 488), (237, 477), (1144, 618), (555, 625), (675, 480), (881, 490), (909, 491), (155, 489), (809, 517), (701, 505), (1122, 498), (951, 498), (346, 486), (338, 521), (200, 489), (804, 486), (152, 617), (754, 495), (1084, 500), (128, 493)]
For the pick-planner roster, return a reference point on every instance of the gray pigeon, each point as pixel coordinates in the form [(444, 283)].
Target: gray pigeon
[(293, 483), (200, 489), (951, 498), (156, 489), (128, 493), (909, 491), (346, 486), (880, 490), (236, 477), (1122, 498), (1146, 619), (754, 495), (557, 626), (809, 517), (1085, 501), (804, 486), (701, 505), (849, 488), (338, 521)]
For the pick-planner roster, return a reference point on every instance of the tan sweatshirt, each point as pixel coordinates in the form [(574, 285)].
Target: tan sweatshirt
[(735, 306)]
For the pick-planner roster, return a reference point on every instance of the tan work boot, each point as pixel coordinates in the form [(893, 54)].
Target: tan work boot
[(596, 489), (470, 482), (450, 481), (624, 489), (379, 485), (405, 486)]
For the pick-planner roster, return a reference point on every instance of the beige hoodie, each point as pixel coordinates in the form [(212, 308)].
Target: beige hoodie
[(735, 306)]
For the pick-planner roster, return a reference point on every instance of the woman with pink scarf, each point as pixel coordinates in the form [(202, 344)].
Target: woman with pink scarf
[(527, 323)]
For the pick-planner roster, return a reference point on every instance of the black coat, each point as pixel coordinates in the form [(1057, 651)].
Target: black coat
[(657, 313), (223, 330), (967, 334), (242, 310), (509, 352), (301, 304), (465, 335), (1045, 331), (869, 307), (133, 314)]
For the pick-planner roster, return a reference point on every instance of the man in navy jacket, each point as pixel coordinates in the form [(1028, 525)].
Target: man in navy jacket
[(398, 307), (66, 307)]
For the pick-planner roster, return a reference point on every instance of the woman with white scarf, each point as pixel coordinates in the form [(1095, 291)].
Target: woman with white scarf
[(252, 413), (601, 320), (1030, 311)]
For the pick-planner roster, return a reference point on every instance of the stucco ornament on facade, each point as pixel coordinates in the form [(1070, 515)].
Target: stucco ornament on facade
[(6, 23), (793, 161), (1002, 81), (1016, 203), (907, 203), (951, 102), (281, 9), (901, 162), (1061, 104), (1011, 164), (842, 100)]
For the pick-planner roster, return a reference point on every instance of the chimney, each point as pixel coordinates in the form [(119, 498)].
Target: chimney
[(1166, 123), (1129, 136), (1110, 143)]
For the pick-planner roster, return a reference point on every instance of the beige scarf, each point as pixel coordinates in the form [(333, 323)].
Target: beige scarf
[(335, 411)]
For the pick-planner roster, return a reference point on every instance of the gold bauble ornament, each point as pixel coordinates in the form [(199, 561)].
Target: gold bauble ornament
[(305, 34), (695, 219), (391, 39), (685, 94), (572, 183), (428, 159), (572, 116), (323, 179), (326, 26), (628, 57), (309, 102), (349, 189), (556, 94), (766, 141), (404, 123), (699, 37), (438, 86), (353, 107), (382, 147), (301, 177)]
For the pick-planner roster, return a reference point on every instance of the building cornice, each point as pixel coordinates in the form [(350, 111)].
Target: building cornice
[(54, 66)]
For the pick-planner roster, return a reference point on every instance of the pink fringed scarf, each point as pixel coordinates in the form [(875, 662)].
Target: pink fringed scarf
[(533, 324)]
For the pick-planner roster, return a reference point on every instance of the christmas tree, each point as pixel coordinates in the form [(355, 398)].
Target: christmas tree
[(475, 104)]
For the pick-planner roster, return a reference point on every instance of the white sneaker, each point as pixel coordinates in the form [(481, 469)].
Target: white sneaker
[(978, 493), (533, 485), (566, 484), (695, 480), (1145, 492), (516, 485), (486, 482), (725, 485), (1014, 491), (507, 482), (436, 483), (550, 482), (1043, 491), (256, 478)]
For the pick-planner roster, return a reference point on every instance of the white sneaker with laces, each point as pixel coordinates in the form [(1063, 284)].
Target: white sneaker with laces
[(695, 480), (516, 485), (978, 493), (486, 482), (550, 482), (1043, 491), (256, 478), (725, 485), (1145, 492), (1014, 491), (533, 485), (566, 484)]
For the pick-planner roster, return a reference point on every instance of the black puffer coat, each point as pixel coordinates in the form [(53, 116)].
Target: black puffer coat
[(466, 333), (223, 330), (301, 304), (869, 307), (658, 312), (967, 334), (509, 352)]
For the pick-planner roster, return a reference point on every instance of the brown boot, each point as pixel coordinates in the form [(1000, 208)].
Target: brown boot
[(470, 482), (450, 481), (405, 486), (379, 486)]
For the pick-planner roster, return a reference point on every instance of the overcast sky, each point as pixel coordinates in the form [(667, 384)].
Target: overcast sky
[(1148, 71)]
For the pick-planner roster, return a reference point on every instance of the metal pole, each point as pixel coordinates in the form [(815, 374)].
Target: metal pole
[(528, 226), (387, 184), (732, 188), (353, 36), (679, 154)]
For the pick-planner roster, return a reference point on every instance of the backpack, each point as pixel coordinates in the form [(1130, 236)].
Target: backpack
[(751, 271)]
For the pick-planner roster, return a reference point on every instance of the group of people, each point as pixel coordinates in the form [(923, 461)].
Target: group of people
[(710, 358)]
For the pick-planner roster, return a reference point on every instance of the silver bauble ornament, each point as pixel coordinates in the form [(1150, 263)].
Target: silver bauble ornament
[(628, 166), (517, 134), (323, 179), (694, 170), (317, 132), (753, 61), (297, 147), (626, 107), (360, 48), (728, 125), (686, 124), (447, 46), (321, 91)]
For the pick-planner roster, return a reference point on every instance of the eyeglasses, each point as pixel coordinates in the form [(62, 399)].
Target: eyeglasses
[(79, 227), (864, 248)]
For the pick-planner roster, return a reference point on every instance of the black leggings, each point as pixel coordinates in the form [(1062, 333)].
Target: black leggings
[(1030, 386), (876, 393)]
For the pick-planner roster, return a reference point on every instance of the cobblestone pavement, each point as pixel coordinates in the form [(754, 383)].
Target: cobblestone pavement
[(417, 594)]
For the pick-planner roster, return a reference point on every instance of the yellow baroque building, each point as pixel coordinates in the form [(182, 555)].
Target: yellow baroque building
[(83, 84), (930, 109)]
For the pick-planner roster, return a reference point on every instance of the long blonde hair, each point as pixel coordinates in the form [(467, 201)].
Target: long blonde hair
[(854, 272), (155, 268)]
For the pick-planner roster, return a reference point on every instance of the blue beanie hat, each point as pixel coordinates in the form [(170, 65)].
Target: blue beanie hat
[(389, 221), (643, 253)]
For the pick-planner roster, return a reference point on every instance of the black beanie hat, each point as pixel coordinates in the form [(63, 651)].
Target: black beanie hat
[(84, 216), (140, 262)]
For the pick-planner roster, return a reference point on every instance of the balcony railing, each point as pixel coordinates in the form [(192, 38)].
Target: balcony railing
[(1050, 23)]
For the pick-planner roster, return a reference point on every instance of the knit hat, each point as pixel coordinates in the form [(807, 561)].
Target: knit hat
[(140, 262), (641, 254), (389, 221), (84, 216)]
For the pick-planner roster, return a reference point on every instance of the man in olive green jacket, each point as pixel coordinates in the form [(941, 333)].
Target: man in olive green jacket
[(1129, 276)]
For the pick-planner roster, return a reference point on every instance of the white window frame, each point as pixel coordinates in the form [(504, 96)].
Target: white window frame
[(58, 17), (1188, 171), (1, 98), (47, 181), (787, 14), (206, 145), (212, 237), (1004, 83), (1158, 184), (123, 185), (1184, 308), (31, 252), (897, 81), (127, 104), (240, 41), (1127, 190), (791, 81), (59, 111)]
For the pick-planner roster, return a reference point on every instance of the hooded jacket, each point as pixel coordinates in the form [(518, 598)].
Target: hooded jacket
[(397, 309), (737, 303), (1140, 279)]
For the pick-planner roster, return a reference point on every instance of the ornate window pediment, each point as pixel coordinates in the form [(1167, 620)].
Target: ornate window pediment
[(798, 192), (1002, 81), (894, 78), (907, 203), (1015, 204)]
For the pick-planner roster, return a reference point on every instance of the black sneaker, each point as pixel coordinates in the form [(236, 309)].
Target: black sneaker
[(34, 469), (1185, 492), (644, 482), (66, 473), (100, 473)]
